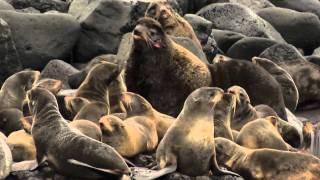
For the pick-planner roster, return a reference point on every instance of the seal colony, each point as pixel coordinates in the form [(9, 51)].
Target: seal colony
[(154, 110)]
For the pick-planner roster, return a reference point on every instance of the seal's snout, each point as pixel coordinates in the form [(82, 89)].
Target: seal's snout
[(138, 32)]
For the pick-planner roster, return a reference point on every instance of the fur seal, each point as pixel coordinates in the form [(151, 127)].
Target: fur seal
[(13, 90), (130, 137), (10, 120), (91, 160), (136, 105), (92, 112), (178, 70), (87, 128), (74, 104), (5, 159), (266, 163), (223, 115), (172, 23), (289, 88), (192, 131), (22, 146), (262, 133), (53, 85)]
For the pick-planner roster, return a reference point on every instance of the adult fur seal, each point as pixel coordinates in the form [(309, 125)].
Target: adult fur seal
[(13, 90), (223, 115), (266, 163), (53, 85), (56, 143), (5, 159), (87, 128), (172, 23), (92, 112), (130, 137), (262, 133), (178, 70), (192, 131), (136, 105)]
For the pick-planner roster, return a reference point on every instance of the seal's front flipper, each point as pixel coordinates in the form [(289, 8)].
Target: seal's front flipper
[(217, 171), (148, 174), (25, 166), (101, 170)]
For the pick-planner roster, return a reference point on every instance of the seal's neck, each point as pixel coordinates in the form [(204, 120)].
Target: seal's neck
[(246, 111), (46, 114), (94, 91)]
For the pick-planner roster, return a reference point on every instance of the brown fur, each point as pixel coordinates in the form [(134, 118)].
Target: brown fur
[(136, 105), (74, 104), (130, 137), (162, 71), (172, 23), (266, 163), (52, 85), (10, 120), (22, 146), (92, 112), (87, 128)]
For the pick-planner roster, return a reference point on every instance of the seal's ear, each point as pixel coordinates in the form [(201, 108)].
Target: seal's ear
[(273, 120)]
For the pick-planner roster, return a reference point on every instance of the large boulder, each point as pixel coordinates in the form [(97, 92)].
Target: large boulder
[(249, 47), (238, 18), (5, 6), (312, 6), (201, 27), (225, 39), (9, 59), (42, 37), (254, 5), (103, 23), (300, 29), (41, 5)]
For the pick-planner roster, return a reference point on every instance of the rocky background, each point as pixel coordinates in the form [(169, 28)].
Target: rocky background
[(59, 37)]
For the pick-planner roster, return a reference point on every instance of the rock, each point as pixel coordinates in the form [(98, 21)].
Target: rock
[(28, 10), (316, 52), (238, 18), (5, 6), (42, 37), (211, 48), (315, 59), (5, 160), (299, 29), (225, 39), (60, 70), (191, 46), (312, 6), (280, 53), (41, 5), (9, 59), (249, 47), (103, 23), (201, 27), (254, 5)]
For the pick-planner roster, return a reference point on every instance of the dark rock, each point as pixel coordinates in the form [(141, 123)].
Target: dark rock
[(225, 39), (299, 29), (42, 37), (249, 47), (41, 5), (315, 59), (238, 18), (211, 48), (201, 27), (5, 6), (9, 59), (103, 23), (312, 6), (57, 69), (280, 53)]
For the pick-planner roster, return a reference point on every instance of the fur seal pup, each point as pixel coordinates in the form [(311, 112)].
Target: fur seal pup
[(289, 88), (130, 137), (5, 159), (172, 23), (87, 128), (262, 133), (223, 115), (136, 105), (91, 160), (22, 146), (188, 145), (53, 85), (266, 163), (92, 112), (14, 89), (178, 70), (74, 104), (10, 120)]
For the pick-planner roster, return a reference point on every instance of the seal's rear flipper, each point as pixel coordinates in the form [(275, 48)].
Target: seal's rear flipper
[(217, 171), (25, 166), (101, 170), (147, 174)]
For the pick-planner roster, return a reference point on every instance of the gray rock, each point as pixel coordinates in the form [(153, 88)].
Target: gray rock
[(238, 18), (211, 48), (254, 5), (5, 6), (201, 27), (316, 52), (5, 160), (225, 39), (57, 69), (28, 10), (42, 37), (103, 23), (41, 5), (249, 47), (299, 29), (312, 6), (9, 59), (315, 59), (282, 53)]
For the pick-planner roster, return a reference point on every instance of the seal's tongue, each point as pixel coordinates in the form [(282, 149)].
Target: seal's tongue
[(157, 44)]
